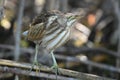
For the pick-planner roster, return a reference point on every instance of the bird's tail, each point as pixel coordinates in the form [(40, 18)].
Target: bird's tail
[(25, 33)]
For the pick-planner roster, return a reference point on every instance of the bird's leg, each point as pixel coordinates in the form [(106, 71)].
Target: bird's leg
[(54, 60), (55, 66), (36, 52), (35, 62)]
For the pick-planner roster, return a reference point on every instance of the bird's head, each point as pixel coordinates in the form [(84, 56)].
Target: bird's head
[(67, 20), (72, 18)]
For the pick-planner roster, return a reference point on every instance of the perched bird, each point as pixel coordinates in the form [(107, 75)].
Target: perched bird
[(51, 30)]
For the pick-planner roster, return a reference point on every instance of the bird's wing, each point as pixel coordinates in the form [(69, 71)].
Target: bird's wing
[(37, 27), (41, 18), (36, 32)]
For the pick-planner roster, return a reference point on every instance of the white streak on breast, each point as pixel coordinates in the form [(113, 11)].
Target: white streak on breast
[(65, 38), (52, 29), (70, 23), (51, 36), (55, 41)]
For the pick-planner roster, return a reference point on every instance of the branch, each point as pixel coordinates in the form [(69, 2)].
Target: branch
[(95, 50), (72, 50), (33, 73), (88, 62), (22, 68), (74, 59)]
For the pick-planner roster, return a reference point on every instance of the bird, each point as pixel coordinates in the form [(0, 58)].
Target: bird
[(50, 29)]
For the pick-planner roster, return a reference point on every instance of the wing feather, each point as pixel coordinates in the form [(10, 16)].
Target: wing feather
[(36, 32)]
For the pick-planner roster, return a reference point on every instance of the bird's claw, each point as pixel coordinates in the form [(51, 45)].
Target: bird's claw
[(56, 70), (38, 65)]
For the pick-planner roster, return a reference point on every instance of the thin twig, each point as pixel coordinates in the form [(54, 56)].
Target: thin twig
[(22, 68), (116, 6), (33, 73), (29, 50), (2, 2), (88, 62), (94, 50), (74, 59), (75, 50), (18, 30)]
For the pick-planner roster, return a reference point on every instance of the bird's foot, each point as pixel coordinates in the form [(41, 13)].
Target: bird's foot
[(56, 69), (36, 65)]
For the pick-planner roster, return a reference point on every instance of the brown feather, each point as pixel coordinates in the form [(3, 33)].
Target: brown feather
[(36, 32)]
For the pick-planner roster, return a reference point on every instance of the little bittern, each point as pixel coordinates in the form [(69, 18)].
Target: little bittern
[(51, 30)]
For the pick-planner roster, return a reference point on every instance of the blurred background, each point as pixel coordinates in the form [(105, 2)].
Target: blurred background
[(94, 45)]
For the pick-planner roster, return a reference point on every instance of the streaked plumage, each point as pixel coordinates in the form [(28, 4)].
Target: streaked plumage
[(51, 30)]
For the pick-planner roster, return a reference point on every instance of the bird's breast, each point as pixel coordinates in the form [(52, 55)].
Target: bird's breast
[(55, 39)]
